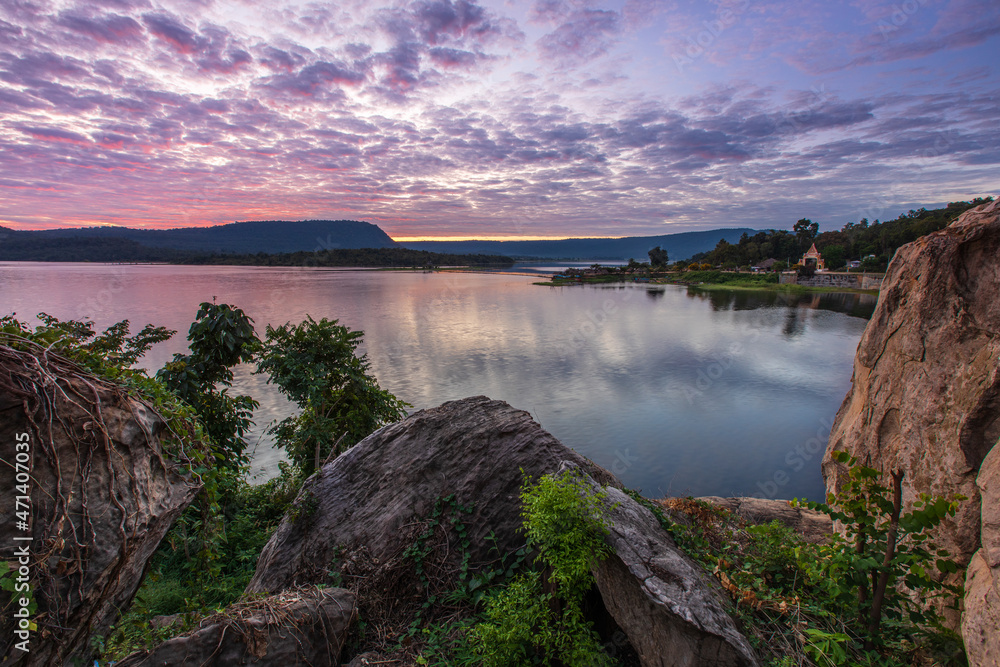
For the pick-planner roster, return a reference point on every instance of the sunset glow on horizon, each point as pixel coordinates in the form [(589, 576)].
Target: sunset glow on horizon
[(419, 239), (488, 119)]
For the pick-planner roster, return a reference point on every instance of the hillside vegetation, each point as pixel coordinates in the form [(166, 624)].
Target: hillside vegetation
[(237, 237), (871, 242), (679, 245), (107, 249)]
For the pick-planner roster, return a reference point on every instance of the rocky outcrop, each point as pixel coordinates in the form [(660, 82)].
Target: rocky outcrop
[(294, 628), (658, 596), (811, 525), (926, 392), (480, 450), (981, 619), (103, 493), (477, 449)]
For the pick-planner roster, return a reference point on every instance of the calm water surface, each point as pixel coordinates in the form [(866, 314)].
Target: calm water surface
[(678, 391)]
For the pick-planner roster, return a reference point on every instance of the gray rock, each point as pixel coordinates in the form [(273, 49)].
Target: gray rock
[(479, 450), (292, 628), (103, 493), (811, 526), (926, 392), (666, 604), (475, 448)]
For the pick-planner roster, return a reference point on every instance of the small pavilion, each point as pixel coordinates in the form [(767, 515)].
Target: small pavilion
[(813, 258)]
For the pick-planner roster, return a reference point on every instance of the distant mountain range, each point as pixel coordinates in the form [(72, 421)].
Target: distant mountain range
[(269, 236), (678, 246), (123, 244)]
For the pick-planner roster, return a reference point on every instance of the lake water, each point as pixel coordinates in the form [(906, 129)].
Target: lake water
[(676, 390)]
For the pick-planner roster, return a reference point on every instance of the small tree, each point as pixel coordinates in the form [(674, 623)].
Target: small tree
[(221, 337), (805, 231), (658, 257), (315, 364), (884, 554), (834, 256)]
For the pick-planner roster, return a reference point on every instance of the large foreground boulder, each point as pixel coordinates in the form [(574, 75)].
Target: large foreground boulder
[(479, 451), (981, 619), (103, 492), (307, 627), (926, 391)]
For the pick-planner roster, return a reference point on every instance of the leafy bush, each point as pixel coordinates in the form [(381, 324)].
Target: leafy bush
[(806, 604), (221, 337), (538, 617), (884, 564), (316, 365)]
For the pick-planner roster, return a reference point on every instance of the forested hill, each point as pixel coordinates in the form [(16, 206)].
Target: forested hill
[(14, 247), (270, 236), (872, 243), (678, 246)]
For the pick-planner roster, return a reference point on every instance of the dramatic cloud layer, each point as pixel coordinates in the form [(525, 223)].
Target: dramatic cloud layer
[(470, 118)]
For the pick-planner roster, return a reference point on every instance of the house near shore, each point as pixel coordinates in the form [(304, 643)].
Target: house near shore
[(813, 258), (766, 265)]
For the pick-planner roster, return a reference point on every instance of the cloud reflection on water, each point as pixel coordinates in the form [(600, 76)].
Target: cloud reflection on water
[(679, 390)]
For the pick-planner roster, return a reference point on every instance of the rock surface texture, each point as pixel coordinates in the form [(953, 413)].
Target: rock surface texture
[(293, 628), (981, 620), (477, 449), (658, 596), (926, 392), (811, 526), (103, 494)]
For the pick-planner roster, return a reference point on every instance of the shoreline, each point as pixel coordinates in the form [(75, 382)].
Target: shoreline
[(706, 286)]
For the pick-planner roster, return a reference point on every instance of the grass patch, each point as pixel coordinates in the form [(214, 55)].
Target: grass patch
[(788, 289)]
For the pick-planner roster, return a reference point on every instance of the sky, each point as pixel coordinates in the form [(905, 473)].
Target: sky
[(481, 119)]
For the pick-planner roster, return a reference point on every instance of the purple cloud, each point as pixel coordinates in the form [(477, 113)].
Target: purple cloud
[(432, 116), (314, 79), (110, 29), (173, 32), (54, 134), (452, 57), (584, 36)]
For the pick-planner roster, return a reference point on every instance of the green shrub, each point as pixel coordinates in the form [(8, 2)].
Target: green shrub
[(538, 618), (884, 565), (808, 604), (316, 365)]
